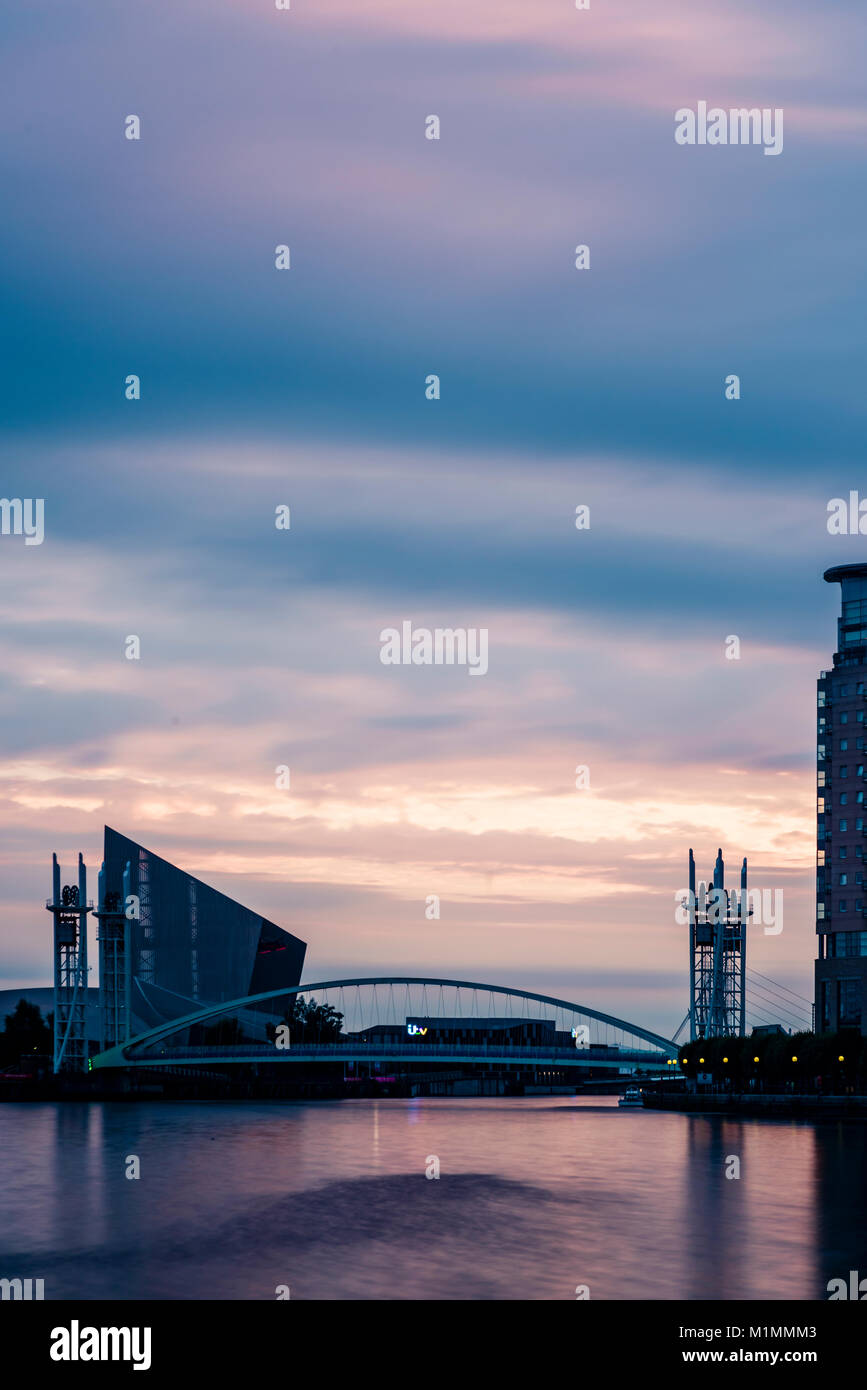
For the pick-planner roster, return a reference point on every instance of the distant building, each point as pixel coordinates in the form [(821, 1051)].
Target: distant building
[(841, 896), (466, 1032), (191, 945)]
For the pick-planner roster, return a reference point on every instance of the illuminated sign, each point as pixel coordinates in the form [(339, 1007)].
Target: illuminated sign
[(415, 1030)]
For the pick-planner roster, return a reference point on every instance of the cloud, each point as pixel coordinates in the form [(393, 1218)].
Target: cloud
[(409, 256)]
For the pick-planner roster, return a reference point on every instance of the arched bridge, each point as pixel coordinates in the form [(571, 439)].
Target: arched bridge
[(404, 1020)]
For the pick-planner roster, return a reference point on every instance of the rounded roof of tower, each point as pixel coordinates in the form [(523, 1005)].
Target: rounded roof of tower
[(837, 573)]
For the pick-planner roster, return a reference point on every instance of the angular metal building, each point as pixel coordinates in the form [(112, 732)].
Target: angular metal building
[(170, 944)]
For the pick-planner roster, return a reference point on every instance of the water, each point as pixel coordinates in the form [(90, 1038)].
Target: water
[(536, 1196)]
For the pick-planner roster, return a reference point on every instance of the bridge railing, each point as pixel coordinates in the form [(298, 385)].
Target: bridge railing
[(347, 1050)]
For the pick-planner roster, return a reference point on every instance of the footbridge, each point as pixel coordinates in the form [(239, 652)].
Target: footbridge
[(413, 1022)]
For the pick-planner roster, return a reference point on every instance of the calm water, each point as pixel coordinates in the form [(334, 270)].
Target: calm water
[(536, 1196)]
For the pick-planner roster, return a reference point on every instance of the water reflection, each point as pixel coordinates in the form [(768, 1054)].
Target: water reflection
[(535, 1197)]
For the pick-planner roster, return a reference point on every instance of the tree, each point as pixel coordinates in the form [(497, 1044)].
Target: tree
[(25, 1033), (310, 1022)]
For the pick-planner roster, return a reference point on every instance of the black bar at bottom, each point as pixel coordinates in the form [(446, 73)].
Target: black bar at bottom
[(216, 1342)]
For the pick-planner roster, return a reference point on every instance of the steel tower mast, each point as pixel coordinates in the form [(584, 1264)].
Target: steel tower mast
[(69, 908), (114, 961), (717, 954)]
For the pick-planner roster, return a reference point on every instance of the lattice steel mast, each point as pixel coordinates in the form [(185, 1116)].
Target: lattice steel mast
[(717, 954), (114, 961), (69, 908)]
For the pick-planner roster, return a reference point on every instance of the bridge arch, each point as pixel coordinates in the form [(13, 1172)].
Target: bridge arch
[(144, 1049)]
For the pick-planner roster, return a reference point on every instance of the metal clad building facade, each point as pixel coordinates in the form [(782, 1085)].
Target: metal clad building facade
[(191, 945)]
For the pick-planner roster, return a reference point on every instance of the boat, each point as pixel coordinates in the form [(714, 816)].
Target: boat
[(631, 1097)]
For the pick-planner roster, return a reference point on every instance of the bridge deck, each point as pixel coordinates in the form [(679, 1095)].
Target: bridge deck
[(366, 1052)]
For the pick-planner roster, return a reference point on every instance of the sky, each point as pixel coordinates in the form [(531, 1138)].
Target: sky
[(305, 388)]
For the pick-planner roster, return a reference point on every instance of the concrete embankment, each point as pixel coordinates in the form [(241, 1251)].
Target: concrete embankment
[(766, 1106)]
